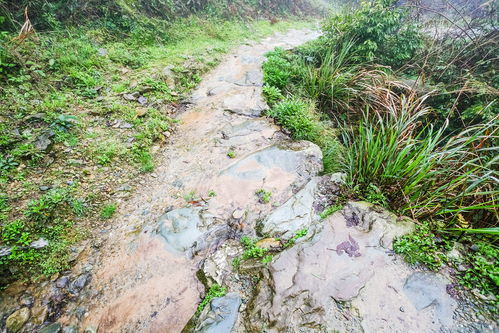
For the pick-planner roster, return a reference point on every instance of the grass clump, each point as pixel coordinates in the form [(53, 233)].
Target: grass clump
[(45, 221), (330, 211), (108, 211)]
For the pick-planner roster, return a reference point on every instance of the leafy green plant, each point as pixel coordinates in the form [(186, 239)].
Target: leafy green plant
[(64, 123), (214, 292), (421, 247), (7, 163), (296, 116), (231, 154), (482, 271), (190, 196), (251, 250), (380, 30), (272, 94), (277, 71), (299, 234), (108, 211), (44, 209), (374, 195), (14, 233), (263, 195)]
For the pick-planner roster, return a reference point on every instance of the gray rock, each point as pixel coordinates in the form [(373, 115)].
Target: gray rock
[(238, 214), (168, 77), (44, 188), (62, 282), (80, 312), (39, 244), (124, 188), (247, 103), (338, 178), (79, 283), (52, 328), (190, 230), (426, 289), (248, 59), (43, 141), (131, 97), (17, 320), (345, 262), (26, 300), (302, 159), (296, 214), (120, 124), (39, 314), (5, 251), (221, 315), (251, 78)]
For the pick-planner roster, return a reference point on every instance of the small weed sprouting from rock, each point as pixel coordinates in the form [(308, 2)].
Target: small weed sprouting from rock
[(299, 234), (330, 211), (231, 154), (214, 292), (263, 196), (190, 196)]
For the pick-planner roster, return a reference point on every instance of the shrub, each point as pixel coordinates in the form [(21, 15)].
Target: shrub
[(277, 70), (296, 116), (379, 30)]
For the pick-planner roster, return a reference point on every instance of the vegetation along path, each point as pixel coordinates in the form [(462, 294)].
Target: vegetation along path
[(226, 236)]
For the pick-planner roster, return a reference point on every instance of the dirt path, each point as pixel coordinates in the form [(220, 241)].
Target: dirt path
[(185, 222), (138, 284)]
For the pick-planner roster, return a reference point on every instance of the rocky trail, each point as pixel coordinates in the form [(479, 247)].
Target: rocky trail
[(181, 231)]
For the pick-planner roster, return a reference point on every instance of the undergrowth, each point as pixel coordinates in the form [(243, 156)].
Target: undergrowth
[(411, 134)]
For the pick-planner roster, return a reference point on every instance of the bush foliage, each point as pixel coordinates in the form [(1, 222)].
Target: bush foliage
[(418, 121)]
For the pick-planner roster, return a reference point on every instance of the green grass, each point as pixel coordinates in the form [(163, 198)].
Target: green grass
[(330, 211), (475, 267), (108, 211), (421, 171)]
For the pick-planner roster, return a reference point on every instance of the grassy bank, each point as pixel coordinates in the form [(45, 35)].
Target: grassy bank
[(82, 114), (411, 134)]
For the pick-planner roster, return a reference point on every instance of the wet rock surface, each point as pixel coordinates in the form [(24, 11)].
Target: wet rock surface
[(295, 214), (221, 315)]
